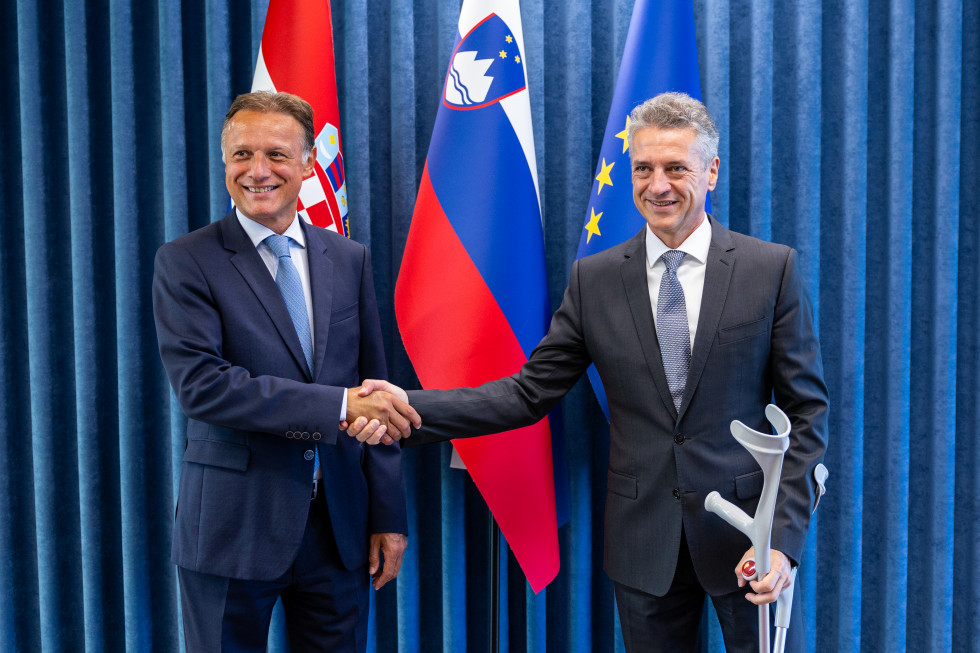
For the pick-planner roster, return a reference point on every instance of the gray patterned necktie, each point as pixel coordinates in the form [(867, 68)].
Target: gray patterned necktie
[(673, 331)]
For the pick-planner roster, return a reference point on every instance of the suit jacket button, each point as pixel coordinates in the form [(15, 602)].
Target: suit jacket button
[(289, 434), (677, 493), (679, 438), (308, 454), (316, 435), (306, 435)]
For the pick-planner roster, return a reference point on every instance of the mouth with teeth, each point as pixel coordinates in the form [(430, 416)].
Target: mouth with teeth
[(260, 189)]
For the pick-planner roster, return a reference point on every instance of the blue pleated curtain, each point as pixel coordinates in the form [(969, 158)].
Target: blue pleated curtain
[(850, 131)]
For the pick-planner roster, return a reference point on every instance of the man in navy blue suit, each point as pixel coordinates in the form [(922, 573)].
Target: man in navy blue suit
[(265, 324)]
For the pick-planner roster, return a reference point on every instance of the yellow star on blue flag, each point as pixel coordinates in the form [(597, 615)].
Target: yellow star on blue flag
[(603, 177), (623, 135), (593, 226)]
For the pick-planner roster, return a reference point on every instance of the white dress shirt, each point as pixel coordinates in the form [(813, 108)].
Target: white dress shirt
[(690, 273)]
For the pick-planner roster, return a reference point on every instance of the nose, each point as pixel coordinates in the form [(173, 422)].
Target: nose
[(658, 184), (260, 166)]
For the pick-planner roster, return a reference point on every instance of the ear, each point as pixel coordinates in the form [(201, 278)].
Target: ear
[(713, 173), (308, 164)]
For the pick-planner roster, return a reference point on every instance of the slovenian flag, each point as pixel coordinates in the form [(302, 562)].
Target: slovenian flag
[(471, 298), (660, 55), (296, 56)]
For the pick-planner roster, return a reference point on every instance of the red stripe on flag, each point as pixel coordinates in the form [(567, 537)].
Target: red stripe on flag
[(447, 316), (297, 45)]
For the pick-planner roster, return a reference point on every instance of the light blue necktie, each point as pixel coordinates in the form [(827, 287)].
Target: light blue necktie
[(287, 278), (673, 331)]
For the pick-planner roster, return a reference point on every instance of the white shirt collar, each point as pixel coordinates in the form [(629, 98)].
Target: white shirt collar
[(259, 232), (695, 246)]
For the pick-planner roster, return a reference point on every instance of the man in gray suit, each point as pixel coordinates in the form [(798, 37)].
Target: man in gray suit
[(690, 326)]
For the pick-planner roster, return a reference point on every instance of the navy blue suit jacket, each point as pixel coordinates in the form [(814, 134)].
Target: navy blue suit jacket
[(755, 342), (255, 411)]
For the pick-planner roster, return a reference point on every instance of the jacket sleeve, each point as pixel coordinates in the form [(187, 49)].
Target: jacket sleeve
[(515, 401), (799, 390), (381, 464)]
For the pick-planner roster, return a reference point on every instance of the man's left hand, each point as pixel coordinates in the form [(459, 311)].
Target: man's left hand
[(772, 584), (392, 547)]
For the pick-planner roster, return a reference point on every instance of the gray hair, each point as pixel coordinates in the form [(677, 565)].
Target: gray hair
[(269, 102), (677, 111)]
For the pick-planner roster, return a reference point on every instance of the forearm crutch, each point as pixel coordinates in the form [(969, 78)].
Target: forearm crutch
[(768, 450), (784, 602)]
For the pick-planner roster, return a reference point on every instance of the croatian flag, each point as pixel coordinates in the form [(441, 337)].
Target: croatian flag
[(296, 56), (612, 217), (471, 298)]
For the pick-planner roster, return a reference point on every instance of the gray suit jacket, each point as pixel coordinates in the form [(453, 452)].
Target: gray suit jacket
[(755, 343)]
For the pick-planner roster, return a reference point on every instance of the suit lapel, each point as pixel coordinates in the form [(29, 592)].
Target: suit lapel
[(321, 276), (250, 265), (717, 277), (634, 273)]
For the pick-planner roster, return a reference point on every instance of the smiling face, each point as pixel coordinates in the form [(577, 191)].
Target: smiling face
[(670, 183), (265, 166)]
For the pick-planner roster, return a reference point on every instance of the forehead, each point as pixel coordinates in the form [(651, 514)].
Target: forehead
[(254, 128), (655, 143)]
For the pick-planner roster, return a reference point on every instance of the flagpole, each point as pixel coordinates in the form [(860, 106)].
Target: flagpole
[(494, 584)]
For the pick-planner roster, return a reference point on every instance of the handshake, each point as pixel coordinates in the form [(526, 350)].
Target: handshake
[(378, 411)]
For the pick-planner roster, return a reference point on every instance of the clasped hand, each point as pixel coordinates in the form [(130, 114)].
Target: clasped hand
[(769, 587), (378, 411)]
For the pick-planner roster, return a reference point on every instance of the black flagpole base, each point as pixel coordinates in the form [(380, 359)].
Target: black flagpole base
[(494, 586)]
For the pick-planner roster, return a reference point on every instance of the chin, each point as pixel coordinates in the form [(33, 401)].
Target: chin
[(663, 223)]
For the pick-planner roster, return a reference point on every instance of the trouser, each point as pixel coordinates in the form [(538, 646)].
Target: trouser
[(326, 605)]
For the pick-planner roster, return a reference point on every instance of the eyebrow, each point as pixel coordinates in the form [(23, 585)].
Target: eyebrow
[(673, 162)]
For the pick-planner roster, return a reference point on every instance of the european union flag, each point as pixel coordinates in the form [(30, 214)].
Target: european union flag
[(660, 55)]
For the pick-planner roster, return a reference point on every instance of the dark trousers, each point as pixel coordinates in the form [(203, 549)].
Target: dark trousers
[(671, 623), (326, 605)]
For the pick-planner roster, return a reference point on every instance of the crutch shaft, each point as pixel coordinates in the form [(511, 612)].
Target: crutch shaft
[(764, 628)]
